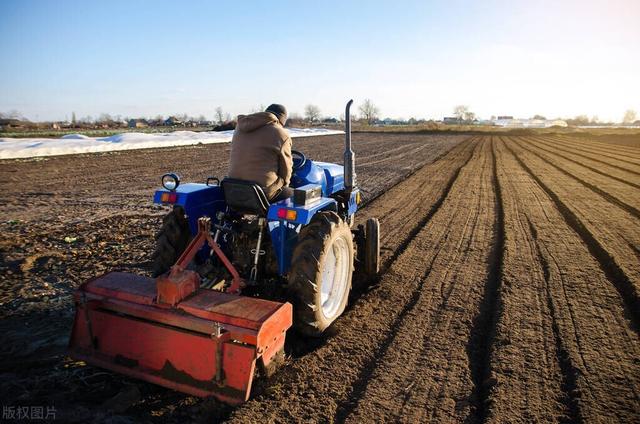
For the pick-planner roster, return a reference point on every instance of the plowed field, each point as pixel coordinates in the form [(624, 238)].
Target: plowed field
[(508, 293)]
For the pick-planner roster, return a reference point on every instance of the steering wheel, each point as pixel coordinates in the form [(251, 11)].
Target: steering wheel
[(299, 159)]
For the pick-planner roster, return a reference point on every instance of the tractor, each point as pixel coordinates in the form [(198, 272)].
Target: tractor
[(232, 273)]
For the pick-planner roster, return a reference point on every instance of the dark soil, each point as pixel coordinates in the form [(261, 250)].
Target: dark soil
[(508, 290), (67, 219)]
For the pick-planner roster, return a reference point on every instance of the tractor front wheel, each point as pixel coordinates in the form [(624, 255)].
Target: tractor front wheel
[(321, 271), (172, 239)]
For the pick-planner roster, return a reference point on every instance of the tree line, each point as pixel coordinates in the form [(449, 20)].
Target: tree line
[(463, 114), (369, 113)]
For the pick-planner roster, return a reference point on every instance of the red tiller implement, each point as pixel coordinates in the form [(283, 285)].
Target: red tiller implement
[(170, 332)]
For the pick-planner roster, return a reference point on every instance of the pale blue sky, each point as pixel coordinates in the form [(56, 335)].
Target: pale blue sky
[(412, 58)]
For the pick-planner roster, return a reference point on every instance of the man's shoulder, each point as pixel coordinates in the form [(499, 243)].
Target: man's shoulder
[(277, 131), (283, 132)]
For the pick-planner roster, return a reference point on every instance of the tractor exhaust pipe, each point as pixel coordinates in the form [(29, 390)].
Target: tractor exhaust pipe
[(349, 156)]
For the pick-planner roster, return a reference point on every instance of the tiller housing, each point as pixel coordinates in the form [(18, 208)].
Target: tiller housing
[(170, 332)]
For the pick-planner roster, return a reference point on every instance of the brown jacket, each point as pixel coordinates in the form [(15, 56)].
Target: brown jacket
[(261, 152)]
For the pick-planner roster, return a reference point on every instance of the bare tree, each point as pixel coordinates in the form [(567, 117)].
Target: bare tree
[(369, 111), (260, 108), (312, 113), (103, 118), (629, 116), (581, 120), (578, 120), (460, 111), (219, 115), (73, 119), (463, 113), (12, 114)]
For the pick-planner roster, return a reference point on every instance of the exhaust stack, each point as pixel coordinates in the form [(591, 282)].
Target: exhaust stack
[(349, 156)]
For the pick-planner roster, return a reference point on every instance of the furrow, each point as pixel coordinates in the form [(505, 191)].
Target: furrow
[(629, 141), (424, 374), (396, 236), (345, 408), (610, 198), (607, 262), (596, 170), (586, 155), (526, 375), (565, 350), (370, 199), (360, 386), (595, 159), (484, 326), (569, 371), (630, 152), (329, 373)]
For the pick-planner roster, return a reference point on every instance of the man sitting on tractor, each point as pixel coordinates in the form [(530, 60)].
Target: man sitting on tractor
[(261, 152)]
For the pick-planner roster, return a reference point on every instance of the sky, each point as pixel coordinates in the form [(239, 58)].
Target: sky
[(411, 58)]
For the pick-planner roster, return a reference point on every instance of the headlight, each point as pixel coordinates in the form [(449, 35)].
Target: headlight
[(170, 181)]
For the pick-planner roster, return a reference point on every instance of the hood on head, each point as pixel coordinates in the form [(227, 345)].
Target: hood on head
[(248, 123)]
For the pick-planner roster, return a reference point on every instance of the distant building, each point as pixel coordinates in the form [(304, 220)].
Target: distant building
[(12, 123), (450, 120), (505, 117), (226, 126), (138, 123), (155, 122), (172, 121)]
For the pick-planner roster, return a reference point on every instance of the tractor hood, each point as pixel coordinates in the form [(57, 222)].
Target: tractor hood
[(329, 176)]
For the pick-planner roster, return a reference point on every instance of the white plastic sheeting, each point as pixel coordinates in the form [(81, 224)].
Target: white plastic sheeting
[(14, 148), (529, 123)]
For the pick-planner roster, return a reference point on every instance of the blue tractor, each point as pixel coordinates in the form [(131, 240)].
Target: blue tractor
[(303, 249), (233, 274)]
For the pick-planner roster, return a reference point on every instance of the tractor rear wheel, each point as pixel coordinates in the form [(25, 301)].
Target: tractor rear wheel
[(172, 239), (321, 271)]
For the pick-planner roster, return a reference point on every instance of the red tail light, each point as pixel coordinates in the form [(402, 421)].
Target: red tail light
[(169, 197), (288, 214)]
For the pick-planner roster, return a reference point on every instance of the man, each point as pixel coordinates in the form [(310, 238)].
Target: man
[(261, 152)]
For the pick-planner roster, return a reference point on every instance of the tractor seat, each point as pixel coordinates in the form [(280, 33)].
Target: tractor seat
[(245, 196)]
